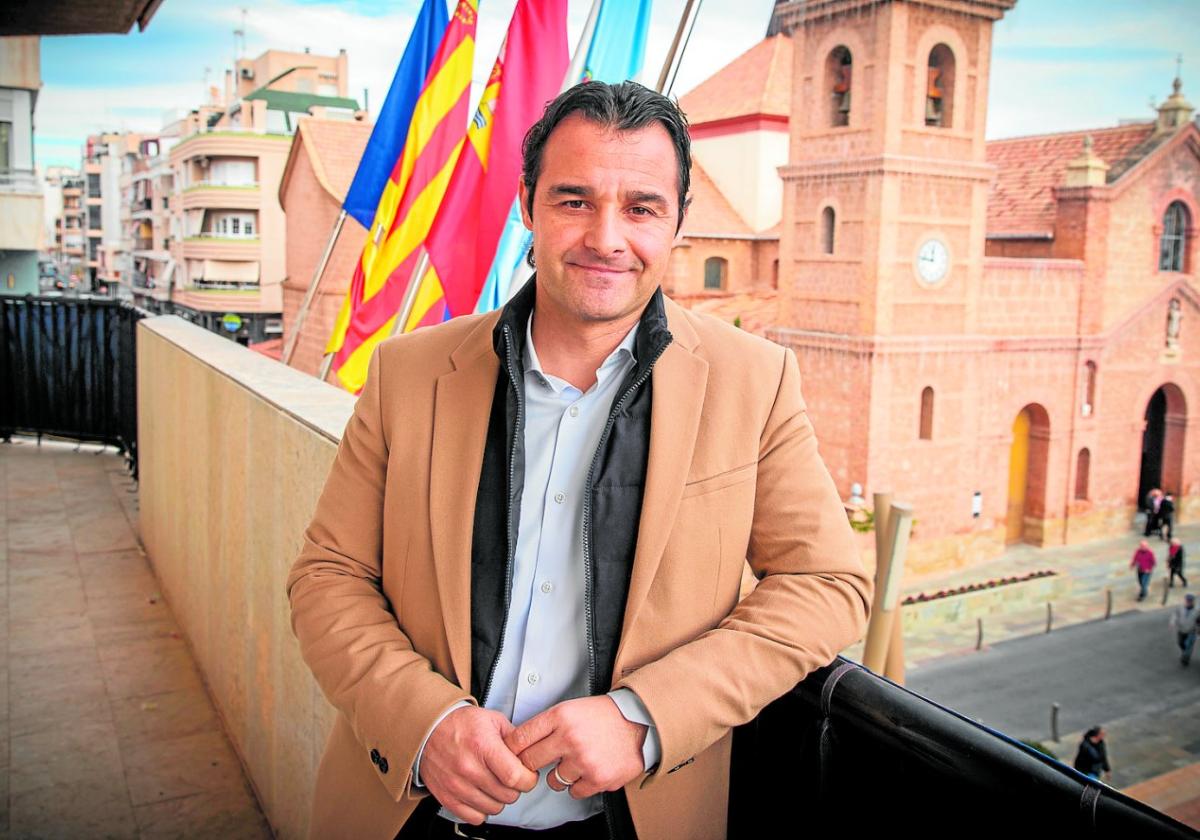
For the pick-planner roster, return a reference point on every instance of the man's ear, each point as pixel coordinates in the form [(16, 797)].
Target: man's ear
[(523, 200)]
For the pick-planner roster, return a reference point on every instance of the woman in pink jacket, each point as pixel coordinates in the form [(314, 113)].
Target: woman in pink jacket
[(1143, 561)]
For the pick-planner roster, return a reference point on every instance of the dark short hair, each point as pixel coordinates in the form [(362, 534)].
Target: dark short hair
[(626, 106)]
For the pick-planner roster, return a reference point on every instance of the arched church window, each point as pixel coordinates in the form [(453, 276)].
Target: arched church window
[(939, 89), (838, 79), (828, 229), (1173, 243), (1083, 466), (926, 428), (715, 269)]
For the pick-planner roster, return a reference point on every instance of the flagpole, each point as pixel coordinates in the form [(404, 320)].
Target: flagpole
[(294, 339), (683, 50), (669, 63), (581, 49), (410, 293)]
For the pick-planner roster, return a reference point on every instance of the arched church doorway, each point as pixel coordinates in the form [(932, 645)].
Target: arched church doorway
[(1027, 458), (1162, 442)]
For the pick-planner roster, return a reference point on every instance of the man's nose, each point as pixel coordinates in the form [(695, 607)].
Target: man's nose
[(605, 235)]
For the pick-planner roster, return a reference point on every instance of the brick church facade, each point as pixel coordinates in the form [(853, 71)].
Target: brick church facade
[(1004, 334)]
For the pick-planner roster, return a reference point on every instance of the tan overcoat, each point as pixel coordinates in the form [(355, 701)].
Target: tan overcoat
[(381, 591)]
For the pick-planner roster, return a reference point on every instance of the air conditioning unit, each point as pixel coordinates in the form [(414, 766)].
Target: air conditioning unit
[(247, 73)]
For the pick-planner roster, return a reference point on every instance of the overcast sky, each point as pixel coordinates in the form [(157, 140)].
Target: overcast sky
[(1057, 65)]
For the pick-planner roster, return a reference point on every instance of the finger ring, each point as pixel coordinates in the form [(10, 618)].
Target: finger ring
[(560, 779)]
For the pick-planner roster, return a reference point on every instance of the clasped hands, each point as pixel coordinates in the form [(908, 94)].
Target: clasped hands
[(476, 761)]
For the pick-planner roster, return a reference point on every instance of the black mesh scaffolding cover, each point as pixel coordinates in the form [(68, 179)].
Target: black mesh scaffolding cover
[(68, 368)]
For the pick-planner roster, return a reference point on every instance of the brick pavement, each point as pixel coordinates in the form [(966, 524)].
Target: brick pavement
[(106, 729)]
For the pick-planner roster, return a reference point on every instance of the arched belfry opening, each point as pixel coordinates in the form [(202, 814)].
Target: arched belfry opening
[(839, 79), (1165, 425)]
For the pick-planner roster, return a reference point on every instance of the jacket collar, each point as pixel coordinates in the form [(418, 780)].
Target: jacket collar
[(653, 333)]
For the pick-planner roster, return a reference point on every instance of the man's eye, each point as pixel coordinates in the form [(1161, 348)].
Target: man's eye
[(574, 203), (641, 211)]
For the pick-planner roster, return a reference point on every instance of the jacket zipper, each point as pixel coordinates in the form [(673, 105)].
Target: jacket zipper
[(587, 551), (518, 429)]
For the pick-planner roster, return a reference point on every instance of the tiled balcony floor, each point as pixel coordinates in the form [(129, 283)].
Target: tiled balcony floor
[(105, 727)]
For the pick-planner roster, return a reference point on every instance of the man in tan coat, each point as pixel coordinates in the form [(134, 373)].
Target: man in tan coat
[(521, 585)]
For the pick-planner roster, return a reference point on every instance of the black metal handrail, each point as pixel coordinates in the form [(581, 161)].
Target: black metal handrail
[(850, 753), (68, 368)]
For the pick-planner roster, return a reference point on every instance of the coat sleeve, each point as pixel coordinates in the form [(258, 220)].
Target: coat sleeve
[(811, 602), (365, 665)]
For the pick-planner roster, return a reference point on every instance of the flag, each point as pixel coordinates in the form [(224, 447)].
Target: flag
[(383, 151), (616, 53), (527, 74), (387, 138), (409, 201)]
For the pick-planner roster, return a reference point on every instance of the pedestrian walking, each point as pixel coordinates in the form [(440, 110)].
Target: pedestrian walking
[(1143, 563), (1092, 757), (1183, 619), (1166, 517), (1152, 503), (1175, 555)]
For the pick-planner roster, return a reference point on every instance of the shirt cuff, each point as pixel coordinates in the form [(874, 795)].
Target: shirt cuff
[(421, 752), (634, 710)]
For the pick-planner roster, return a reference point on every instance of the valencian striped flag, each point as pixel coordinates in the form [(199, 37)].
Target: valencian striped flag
[(409, 201), (527, 74)]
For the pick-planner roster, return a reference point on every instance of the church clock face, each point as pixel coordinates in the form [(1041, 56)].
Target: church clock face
[(933, 261)]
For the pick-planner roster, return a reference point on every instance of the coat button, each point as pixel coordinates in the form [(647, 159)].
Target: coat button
[(383, 765), (374, 756)]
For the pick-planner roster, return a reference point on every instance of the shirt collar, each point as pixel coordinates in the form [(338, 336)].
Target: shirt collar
[(623, 353)]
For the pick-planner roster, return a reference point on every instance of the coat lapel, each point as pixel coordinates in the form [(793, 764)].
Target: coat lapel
[(462, 407), (679, 381)]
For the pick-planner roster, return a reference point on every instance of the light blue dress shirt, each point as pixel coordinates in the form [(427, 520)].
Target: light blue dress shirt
[(544, 659)]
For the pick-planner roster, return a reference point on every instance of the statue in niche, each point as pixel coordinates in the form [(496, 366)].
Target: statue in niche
[(1174, 323)]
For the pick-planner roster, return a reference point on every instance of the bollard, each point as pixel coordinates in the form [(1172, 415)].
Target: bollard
[(1054, 722), (1108, 604), (1049, 616), (979, 634), (1166, 591)]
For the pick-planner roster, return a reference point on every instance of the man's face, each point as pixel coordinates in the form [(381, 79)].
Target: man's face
[(605, 211)]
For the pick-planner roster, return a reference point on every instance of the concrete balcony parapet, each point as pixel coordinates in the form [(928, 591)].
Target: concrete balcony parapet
[(224, 497)]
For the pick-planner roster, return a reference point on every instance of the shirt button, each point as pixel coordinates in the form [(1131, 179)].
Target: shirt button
[(559, 497), (547, 587), (531, 678), (574, 412)]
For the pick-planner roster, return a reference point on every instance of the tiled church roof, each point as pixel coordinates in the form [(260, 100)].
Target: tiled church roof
[(1021, 199), (710, 212), (759, 81)]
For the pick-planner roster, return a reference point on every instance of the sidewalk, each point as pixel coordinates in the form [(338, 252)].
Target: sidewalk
[(106, 729)]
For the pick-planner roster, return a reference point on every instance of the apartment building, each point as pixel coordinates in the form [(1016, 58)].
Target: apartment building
[(226, 254), (22, 230), (106, 257)]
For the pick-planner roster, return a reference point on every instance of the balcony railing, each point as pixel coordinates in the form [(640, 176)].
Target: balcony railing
[(209, 236), (68, 368), (216, 185)]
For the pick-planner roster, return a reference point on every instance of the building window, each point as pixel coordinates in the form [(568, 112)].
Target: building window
[(1173, 244), (939, 88), (235, 226), (775, 274), (838, 75), (93, 184), (1083, 466), (828, 228), (926, 430), (5, 146), (715, 269), (1089, 389)]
